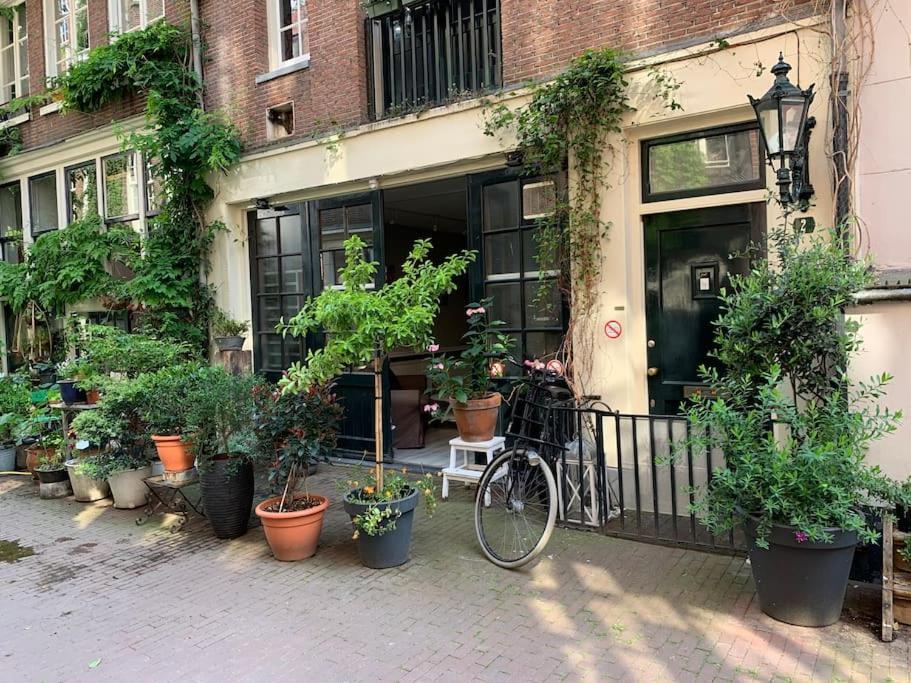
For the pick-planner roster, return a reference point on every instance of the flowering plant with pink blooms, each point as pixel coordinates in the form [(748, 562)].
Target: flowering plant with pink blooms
[(469, 375)]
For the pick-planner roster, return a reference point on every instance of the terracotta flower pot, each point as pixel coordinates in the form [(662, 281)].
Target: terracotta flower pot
[(292, 535), (173, 452), (92, 396), (477, 418)]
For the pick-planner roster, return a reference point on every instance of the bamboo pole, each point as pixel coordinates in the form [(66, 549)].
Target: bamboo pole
[(378, 413)]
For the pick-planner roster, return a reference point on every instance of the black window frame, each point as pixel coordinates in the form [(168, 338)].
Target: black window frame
[(31, 202), (6, 239), (92, 164), (645, 146)]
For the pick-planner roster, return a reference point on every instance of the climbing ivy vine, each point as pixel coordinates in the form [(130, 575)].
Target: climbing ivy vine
[(569, 120), (184, 144)]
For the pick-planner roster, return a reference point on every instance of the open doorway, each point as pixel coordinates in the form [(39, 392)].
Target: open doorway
[(436, 211)]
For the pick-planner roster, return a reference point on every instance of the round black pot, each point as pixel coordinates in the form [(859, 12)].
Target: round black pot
[(227, 496), (52, 476), (69, 393), (801, 583), (392, 548)]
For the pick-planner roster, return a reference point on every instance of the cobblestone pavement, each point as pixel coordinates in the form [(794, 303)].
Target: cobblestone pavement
[(105, 600)]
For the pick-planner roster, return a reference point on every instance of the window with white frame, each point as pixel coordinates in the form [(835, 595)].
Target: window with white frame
[(129, 15), (66, 34), (121, 188), (288, 31), (13, 54)]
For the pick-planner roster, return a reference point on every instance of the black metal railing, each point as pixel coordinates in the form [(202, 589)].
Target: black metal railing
[(432, 52), (633, 476)]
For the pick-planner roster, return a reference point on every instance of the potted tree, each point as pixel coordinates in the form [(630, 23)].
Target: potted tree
[(165, 404), (228, 333), (362, 325), (14, 407), (465, 383), (220, 415), (794, 429), (293, 432)]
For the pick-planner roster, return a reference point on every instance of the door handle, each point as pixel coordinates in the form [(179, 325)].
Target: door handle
[(652, 372)]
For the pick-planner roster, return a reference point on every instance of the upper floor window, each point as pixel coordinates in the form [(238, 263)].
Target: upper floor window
[(288, 32), (11, 222), (121, 188), (81, 192), (13, 54), (42, 190), (66, 33), (128, 15)]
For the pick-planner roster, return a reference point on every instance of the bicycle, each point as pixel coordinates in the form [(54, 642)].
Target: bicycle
[(516, 503)]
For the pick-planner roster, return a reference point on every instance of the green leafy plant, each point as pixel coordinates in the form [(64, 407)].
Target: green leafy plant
[(111, 350), (99, 429), (469, 376), (363, 324), (224, 325), (793, 428), (292, 432), (127, 456), (220, 416), (379, 518), (15, 405), (51, 458), (167, 397)]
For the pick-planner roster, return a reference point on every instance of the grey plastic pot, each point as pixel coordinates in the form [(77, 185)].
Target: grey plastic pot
[(229, 343), (392, 548), (8, 458), (86, 489), (128, 489), (801, 583)]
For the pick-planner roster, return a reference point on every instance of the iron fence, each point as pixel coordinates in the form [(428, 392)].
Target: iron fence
[(431, 52), (634, 476)]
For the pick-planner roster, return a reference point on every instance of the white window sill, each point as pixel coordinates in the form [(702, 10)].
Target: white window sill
[(15, 121), (50, 108), (289, 68)]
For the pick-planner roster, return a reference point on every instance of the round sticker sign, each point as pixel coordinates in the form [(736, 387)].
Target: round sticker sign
[(613, 329)]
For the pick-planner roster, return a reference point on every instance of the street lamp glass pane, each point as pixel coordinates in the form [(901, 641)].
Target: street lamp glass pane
[(768, 119), (791, 115)]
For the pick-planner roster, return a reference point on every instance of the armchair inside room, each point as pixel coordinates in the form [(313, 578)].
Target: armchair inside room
[(408, 401)]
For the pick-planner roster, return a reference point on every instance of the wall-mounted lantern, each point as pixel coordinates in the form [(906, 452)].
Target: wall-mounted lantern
[(786, 130)]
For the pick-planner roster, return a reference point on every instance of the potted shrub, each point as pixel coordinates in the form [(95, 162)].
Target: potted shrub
[(68, 374), (165, 404), (228, 333), (14, 407), (363, 324), (294, 431), (53, 481), (466, 382), (38, 429), (96, 432), (124, 465), (794, 429), (221, 417)]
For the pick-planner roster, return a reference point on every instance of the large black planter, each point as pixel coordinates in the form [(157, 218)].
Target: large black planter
[(69, 393), (801, 583), (392, 548), (227, 496)]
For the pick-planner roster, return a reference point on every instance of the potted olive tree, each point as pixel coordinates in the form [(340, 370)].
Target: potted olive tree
[(794, 429), (220, 416), (293, 432), (466, 382), (362, 325)]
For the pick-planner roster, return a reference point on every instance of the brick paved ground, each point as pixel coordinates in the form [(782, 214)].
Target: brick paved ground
[(152, 605)]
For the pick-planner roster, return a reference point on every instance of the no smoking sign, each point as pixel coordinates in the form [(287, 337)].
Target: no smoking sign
[(613, 329)]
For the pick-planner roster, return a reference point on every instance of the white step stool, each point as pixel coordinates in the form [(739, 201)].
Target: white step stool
[(461, 469)]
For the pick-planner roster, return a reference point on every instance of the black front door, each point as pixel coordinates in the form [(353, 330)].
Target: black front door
[(689, 257)]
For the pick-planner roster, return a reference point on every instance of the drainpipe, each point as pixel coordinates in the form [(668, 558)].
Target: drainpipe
[(840, 84), (197, 45)]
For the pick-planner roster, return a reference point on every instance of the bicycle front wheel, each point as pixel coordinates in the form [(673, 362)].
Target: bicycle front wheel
[(515, 509)]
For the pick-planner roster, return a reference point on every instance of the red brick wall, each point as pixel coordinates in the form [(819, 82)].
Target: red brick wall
[(55, 127), (332, 89)]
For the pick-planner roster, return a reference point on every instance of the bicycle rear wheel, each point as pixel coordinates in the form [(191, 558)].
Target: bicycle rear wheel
[(515, 509)]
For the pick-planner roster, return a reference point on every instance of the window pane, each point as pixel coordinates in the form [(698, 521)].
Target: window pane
[(285, 12), (155, 10), (530, 251), (539, 199), (501, 253), (266, 239), (332, 220), (270, 310), (360, 218), (501, 206), (130, 14), (10, 210), (121, 186), (153, 189), (542, 304), (291, 306), (268, 276), (272, 356), (542, 344), (83, 192), (293, 274), (43, 192), (290, 228), (507, 303), (705, 162)]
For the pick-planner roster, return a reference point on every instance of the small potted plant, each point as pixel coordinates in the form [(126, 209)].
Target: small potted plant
[(38, 429), (165, 404), (221, 418), (124, 465), (96, 432), (228, 332), (294, 431), (793, 426), (466, 383), (68, 374), (14, 407), (52, 476)]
